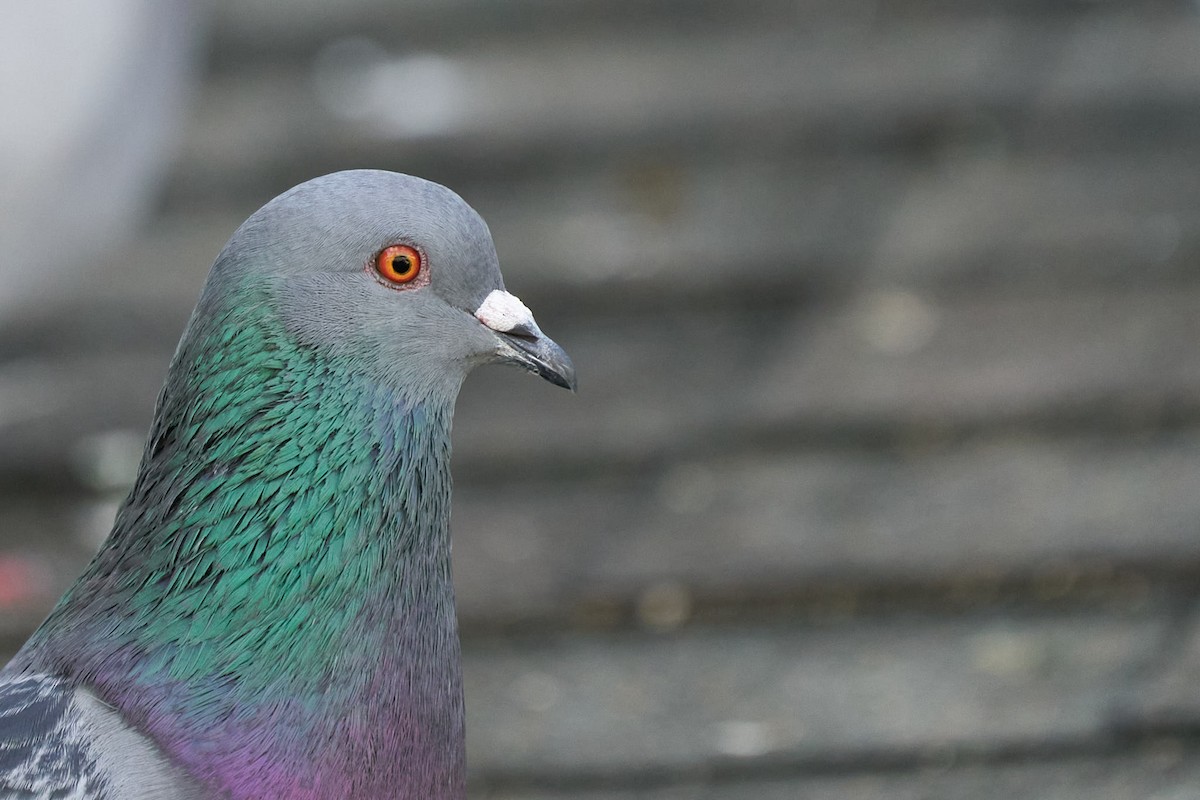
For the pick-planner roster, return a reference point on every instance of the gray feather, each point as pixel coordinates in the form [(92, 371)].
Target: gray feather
[(61, 743)]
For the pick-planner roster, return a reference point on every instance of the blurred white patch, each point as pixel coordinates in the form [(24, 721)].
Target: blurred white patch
[(743, 739), (93, 94), (417, 95), (108, 461), (896, 322)]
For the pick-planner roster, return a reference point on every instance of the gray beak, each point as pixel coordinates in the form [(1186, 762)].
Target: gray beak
[(538, 353), (521, 342)]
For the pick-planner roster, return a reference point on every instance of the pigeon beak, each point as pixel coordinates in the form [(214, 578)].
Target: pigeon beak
[(522, 342)]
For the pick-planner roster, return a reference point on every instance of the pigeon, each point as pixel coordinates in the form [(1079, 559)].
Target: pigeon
[(272, 615)]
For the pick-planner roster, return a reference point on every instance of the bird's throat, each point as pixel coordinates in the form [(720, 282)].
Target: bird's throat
[(274, 606)]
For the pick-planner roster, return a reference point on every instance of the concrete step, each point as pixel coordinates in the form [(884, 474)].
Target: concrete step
[(610, 706), (680, 383), (654, 385), (748, 230), (490, 108), (1092, 520), (894, 363), (1163, 770), (255, 30), (985, 521)]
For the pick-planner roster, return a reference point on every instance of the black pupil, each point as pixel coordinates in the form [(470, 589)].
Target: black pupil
[(401, 265)]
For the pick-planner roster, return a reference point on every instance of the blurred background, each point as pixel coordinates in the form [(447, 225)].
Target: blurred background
[(882, 477)]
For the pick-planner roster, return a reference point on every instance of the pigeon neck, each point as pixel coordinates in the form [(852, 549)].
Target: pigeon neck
[(274, 606)]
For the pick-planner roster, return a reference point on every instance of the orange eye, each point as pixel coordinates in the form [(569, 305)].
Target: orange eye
[(398, 263)]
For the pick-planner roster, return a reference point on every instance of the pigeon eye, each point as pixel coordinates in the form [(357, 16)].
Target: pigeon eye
[(398, 263)]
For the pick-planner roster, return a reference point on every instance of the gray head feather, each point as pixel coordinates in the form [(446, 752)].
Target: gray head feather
[(313, 248)]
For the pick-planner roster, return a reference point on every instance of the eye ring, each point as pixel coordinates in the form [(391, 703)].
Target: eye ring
[(398, 264)]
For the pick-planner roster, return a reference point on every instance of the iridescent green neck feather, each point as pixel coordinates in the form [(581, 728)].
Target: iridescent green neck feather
[(274, 605)]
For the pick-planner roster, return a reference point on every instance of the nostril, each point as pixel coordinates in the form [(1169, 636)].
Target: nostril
[(523, 330)]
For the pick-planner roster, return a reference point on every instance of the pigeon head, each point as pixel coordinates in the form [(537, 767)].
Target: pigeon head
[(389, 271)]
